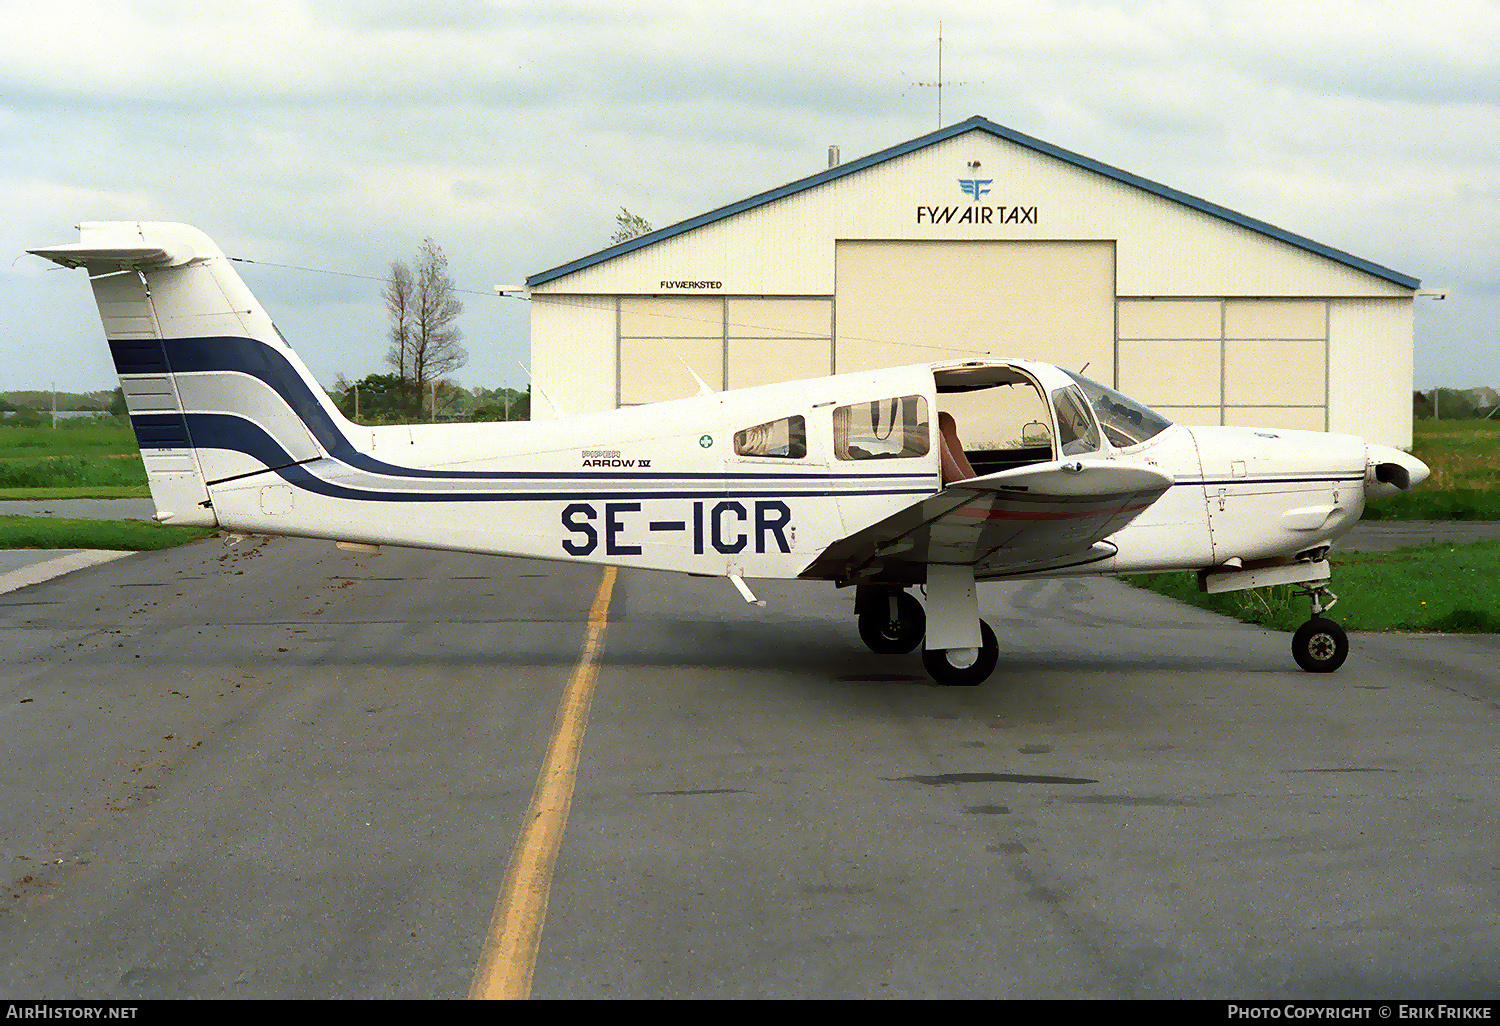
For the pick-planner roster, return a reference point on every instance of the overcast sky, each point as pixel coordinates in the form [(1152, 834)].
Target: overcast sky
[(337, 135)]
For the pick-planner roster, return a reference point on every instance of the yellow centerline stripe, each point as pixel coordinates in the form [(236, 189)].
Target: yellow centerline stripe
[(508, 958)]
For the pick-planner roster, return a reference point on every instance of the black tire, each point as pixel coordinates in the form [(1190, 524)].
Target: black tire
[(1320, 645), (893, 637), (946, 673)]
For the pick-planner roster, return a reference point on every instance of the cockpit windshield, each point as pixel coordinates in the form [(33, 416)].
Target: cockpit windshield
[(1125, 421)]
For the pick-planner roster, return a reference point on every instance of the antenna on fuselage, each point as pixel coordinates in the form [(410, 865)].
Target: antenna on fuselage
[(557, 406), (703, 388)]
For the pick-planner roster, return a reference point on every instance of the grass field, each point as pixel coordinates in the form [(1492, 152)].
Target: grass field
[(1464, 456), (87, 437), (1441, 587), (58, 533), (91, 461), (72, 472), (78, 492)]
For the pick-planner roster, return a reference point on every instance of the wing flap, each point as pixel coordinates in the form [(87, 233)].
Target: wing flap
[(1016, 521)]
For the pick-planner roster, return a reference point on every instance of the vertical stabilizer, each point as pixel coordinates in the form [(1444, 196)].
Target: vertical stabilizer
[(213, 390)]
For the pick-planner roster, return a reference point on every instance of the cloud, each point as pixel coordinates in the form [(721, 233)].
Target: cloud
[(339, 135)]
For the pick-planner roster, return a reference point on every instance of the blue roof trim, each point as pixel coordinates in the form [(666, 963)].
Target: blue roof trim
[(976, 123)]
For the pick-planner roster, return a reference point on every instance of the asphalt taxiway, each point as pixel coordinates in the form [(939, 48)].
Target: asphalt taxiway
[(282, 770)]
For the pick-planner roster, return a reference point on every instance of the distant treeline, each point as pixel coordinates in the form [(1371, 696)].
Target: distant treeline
[(1456, 404), (32, 407), (378, 398), (39, 400), (387, 399)]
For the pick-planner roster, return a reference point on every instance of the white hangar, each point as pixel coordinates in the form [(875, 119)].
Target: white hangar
[(980, 240)]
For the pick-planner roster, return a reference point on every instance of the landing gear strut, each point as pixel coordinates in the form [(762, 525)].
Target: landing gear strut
[(1320, 645), (958, 648)]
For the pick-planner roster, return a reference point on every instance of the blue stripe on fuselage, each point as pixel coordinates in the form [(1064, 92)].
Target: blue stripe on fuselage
[(268, 365)]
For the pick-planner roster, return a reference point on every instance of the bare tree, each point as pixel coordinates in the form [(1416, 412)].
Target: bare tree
[(630, 226), (400, 302), (424, 339)]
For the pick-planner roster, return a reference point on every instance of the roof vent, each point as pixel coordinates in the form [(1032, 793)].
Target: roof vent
[(833, 156)]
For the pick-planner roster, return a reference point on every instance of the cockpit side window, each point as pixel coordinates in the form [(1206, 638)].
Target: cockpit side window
[(785, 438), (1125, 421), (1076, 433), (881, 430)]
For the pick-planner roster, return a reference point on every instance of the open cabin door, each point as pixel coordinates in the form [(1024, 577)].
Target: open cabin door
[(1000, 415)]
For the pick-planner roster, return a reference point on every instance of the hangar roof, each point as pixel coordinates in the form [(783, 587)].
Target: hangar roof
[(981, 124)]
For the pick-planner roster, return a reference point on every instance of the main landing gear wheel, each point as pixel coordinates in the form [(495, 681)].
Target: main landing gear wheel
[(892, 624), (1320, 645), (964, 667)]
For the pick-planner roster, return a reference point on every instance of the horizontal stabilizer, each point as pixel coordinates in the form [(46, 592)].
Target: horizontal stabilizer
[(129, 244)]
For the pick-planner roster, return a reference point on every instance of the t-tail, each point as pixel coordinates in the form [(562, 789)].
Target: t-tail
[(214, 391)]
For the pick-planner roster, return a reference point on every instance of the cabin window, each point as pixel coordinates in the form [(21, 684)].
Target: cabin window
[(881, 430), (1076, 432), (785, 438)]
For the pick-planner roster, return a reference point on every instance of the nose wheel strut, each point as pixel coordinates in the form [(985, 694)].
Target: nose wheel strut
[(1320, 645)]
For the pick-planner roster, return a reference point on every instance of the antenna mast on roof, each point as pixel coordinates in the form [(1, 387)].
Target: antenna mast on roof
[(939, 82)]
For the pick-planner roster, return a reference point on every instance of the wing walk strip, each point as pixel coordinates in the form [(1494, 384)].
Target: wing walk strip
[(508, 958)]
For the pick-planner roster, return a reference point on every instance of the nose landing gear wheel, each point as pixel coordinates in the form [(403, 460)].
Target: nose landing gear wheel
[(964, 667), (1320, 645), (893, 632)]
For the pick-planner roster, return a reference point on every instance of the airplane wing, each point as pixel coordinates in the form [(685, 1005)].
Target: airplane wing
[(1042, 517)]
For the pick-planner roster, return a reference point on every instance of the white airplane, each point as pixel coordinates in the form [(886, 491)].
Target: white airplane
[(858, 479)]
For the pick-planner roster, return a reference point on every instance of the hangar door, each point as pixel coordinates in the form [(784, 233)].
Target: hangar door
[(731, 342), (1244, 362), (899, 302)]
